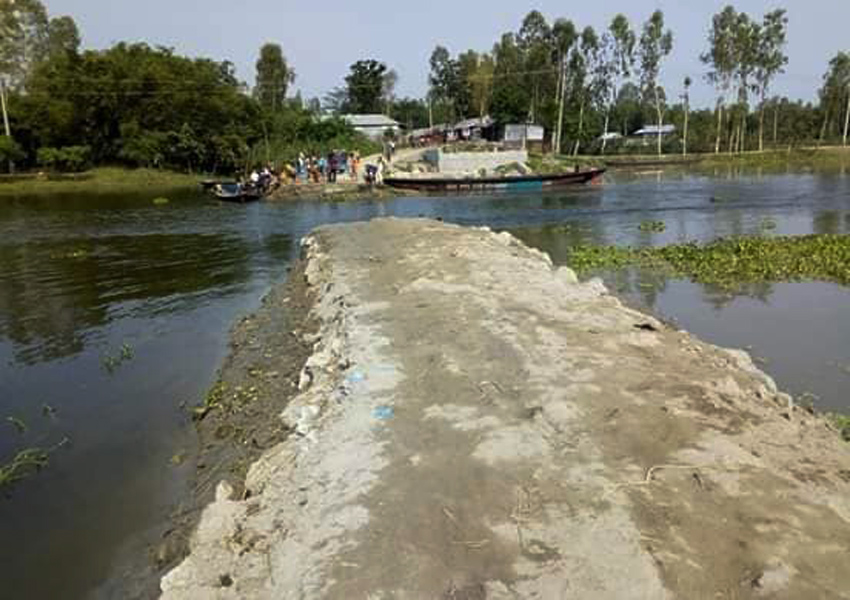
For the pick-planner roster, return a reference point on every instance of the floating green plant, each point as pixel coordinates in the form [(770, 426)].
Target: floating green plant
[(161, 201), (111, 361), (732, 261), (653, 226), (18, 424), (213, 400), (26, 463)]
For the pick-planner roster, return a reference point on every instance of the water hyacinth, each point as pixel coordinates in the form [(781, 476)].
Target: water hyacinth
[(727, 262)]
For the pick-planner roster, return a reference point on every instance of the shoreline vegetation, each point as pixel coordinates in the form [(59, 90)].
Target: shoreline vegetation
[(598, 95), (99, 180), (121, 179)]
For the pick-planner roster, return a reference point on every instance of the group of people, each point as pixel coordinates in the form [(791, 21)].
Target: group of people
[(264, 180), (317, 169), (324, 169)]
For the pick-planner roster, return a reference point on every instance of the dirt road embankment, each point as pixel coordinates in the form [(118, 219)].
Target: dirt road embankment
[(476, 424)]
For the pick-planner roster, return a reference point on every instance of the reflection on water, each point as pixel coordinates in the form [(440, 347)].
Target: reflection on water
[(53, 293), (80, 276), (770, 319)]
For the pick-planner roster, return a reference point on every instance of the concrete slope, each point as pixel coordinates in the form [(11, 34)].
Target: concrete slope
[(476, 424)]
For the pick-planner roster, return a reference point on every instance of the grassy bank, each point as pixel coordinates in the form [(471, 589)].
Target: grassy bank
[(729, 262), (100, 180), (547, 164), (801, 157)]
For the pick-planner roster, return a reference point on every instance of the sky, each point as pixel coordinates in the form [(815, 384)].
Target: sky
[(321, 39)]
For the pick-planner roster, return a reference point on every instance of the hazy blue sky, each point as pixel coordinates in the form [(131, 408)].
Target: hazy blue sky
[(322, 38)]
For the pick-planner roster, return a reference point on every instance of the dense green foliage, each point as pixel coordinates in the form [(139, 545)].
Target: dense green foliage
[(146, 106), (580, 83), (729, 262), (273, 77), (365, 87), (140, 106)]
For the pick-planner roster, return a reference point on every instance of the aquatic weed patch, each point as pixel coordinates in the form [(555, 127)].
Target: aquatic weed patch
[(842, 422), (24, 464), (653, 226), (731, 261)]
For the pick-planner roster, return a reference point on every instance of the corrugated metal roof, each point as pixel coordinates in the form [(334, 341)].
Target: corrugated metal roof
[(469, 123), (653, 130), (370, 121)]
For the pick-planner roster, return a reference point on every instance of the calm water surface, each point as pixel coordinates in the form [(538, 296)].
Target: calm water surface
[(82, 277)]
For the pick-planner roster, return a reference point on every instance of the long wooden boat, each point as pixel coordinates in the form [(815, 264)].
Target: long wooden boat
[(516, 183)]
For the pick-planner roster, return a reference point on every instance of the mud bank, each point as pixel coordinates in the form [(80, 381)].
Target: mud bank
[(239, 418), (473, 423)]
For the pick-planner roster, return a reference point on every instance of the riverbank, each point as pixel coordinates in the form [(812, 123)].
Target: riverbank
[(537, 438), (238, 419), (100, 180), (333, 192), (825, 157)]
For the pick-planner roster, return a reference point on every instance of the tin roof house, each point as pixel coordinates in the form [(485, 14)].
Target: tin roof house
[(653, 130), (372, 126)]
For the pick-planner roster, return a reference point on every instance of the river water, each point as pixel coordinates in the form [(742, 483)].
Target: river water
[(114, 315)]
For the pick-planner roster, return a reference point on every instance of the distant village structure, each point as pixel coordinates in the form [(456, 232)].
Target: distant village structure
[(511, 136), (374, 127)]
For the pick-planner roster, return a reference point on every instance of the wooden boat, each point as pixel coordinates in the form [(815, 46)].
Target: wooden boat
[(234, 192), (516, 183)]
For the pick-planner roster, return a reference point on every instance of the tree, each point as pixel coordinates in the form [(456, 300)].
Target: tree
[(629, 110), (388, 90), (618, 59), (63, 37), (746, 44), (771, 59), (411, 112), (274, 77), (655, 45), (835, 93), (23, 39), (534, 41), (147, 98), (564, 37), (583, 64), (445, 81), (510, 97), (365, 85), (721, 58), (686, 96), (336, 101), (477, 71)]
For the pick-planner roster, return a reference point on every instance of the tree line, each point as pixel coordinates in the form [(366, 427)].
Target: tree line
[(68, 109), (585, 86)]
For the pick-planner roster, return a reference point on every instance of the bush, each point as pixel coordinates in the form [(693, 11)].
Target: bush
[(71, 159), (9, 150)]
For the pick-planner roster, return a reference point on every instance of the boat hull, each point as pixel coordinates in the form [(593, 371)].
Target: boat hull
[(238, 198), (521, 183)]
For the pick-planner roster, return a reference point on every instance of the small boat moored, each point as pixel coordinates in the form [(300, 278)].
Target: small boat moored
[(517, 183), (236, 192)]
